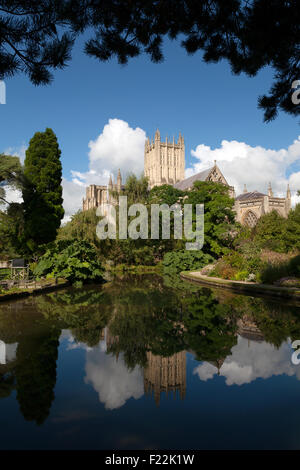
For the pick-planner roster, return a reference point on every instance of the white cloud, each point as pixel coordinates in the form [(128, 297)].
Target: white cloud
[(12, 195), (109, 376), (119, 146), (111, 379), (254, 166), (72, 196), (251, 360)]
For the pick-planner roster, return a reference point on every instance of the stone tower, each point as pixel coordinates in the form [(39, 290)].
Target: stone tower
[(164, 162)]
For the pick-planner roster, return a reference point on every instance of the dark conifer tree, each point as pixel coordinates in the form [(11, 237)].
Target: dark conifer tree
[(42, 193)]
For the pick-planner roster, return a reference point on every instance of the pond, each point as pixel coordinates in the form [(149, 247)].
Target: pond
[(148, 362)]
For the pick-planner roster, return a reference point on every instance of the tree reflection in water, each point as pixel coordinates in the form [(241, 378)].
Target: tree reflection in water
[(149, 320)]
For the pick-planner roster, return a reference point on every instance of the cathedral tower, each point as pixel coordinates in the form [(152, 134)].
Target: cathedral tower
[(164, 162)]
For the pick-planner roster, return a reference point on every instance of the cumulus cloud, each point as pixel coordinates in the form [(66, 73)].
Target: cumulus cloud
[(72, 196), (254, 166), (109, 376), (118, 146), (250, 361), (111, 379)]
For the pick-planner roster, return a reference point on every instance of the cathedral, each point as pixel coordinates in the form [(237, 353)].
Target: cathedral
[(100, 195), (164, 163)]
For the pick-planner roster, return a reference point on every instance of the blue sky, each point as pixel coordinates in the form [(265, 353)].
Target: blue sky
[(203, 101)]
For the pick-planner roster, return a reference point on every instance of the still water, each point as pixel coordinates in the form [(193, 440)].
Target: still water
[(148, 363)]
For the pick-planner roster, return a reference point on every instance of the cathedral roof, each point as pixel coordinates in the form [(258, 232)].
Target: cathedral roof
[(250, 195), (188, 182)]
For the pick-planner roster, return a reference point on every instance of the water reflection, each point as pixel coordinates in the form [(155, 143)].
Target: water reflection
[(251, 360), (7, 352), (165, 375), (135, 335)]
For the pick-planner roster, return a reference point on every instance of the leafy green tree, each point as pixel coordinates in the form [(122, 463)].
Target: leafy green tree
[(11, 175), (72, 260), (136, 189), (82, 226), (165, 194), (270, 232), (42, 194), (292, 235), (12, 231), (12, 217), (219, 218), (37, 37)]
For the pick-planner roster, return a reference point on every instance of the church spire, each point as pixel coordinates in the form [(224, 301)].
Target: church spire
[(110, 185), (288, 192), (270, 192), (157, 134), (119, 181), (245, 189)]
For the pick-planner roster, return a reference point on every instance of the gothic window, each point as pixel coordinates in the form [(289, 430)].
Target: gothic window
[(250, 219)]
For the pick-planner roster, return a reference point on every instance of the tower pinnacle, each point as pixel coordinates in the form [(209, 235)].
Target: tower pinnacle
[(270, 192)]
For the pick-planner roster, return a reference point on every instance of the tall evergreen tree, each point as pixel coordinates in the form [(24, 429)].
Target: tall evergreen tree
[(42, 194)]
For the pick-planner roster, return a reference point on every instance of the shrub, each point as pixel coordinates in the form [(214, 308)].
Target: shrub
[(274, 272), (241, 276), (185, 260), (234, 259), (71, 260), (270, 232), (224, 270)]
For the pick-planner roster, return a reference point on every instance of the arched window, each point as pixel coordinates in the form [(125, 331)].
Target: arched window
[(250, 219)]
